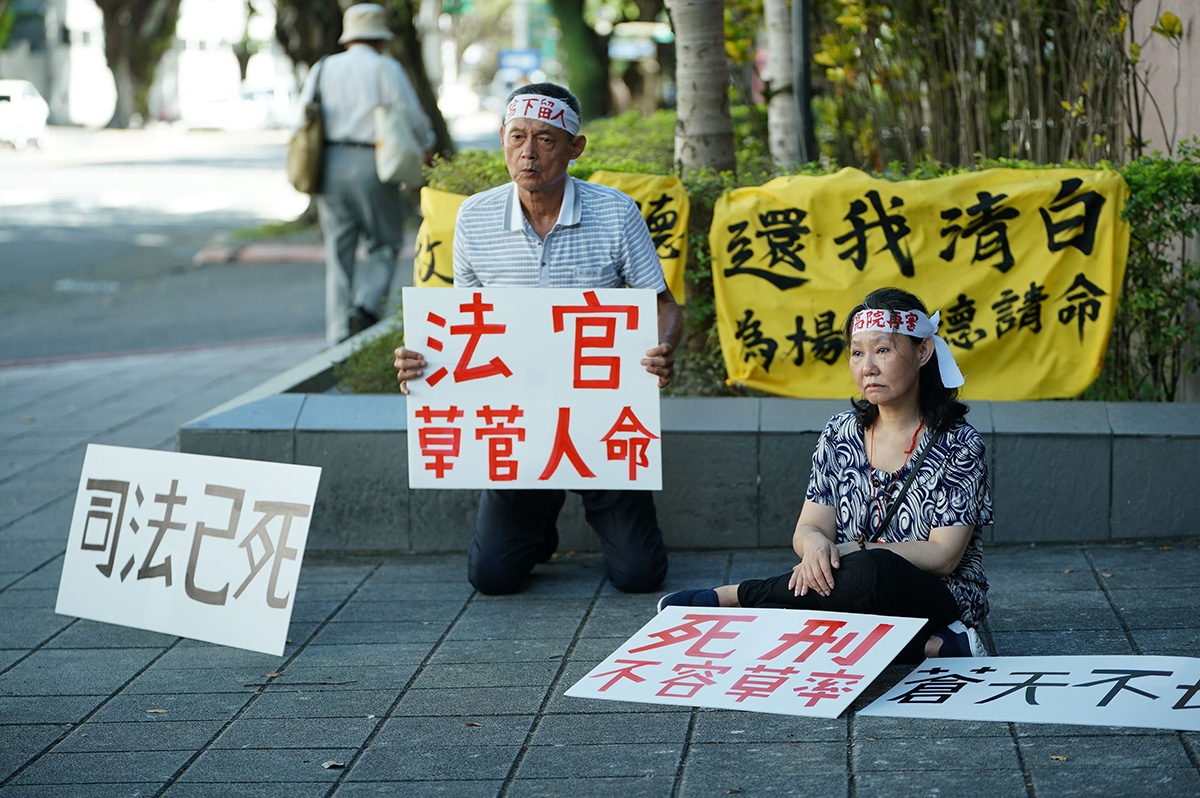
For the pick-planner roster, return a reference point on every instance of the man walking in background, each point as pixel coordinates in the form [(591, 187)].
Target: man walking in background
[(352, 204)]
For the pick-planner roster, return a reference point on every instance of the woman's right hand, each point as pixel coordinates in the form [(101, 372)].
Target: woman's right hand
[(818, 560), (409, 365)]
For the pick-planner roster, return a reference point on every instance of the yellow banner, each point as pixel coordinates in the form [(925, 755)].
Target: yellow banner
[(1024, 265), (662, 201), (433, 265)]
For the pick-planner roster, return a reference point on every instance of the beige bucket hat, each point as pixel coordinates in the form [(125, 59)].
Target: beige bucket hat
[(364, 22)]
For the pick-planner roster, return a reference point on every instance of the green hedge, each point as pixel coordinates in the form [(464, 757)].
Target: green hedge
[(1156, 335)]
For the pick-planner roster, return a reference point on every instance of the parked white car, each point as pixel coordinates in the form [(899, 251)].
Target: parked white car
[(23, 113)]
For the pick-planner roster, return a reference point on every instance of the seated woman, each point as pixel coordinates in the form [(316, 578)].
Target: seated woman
[(873, 536)]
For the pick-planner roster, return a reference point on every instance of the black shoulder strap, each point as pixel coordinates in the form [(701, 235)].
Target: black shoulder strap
[(894, 506)]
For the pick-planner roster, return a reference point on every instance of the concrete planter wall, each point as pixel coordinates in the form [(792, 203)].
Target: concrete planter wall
[(734, 470)]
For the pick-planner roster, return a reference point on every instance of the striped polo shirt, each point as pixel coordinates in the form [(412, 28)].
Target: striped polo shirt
[(599, 241)]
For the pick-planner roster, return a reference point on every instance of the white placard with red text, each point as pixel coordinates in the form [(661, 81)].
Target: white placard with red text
[(1149, 692), (533, 388), (788, 662), (202, 547)]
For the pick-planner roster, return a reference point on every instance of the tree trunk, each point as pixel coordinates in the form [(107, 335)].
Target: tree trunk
[(126, 105), (783, 119), (703, 127)]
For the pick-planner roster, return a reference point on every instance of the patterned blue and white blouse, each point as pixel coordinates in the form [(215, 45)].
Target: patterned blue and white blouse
[(951, 489)]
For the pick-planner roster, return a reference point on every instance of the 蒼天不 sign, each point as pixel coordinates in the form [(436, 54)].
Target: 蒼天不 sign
[(1024, 266), (202, 547), (1152, 692), (535, 388)]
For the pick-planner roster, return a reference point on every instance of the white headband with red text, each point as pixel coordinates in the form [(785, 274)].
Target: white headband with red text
[(545, 109), (918, 325)]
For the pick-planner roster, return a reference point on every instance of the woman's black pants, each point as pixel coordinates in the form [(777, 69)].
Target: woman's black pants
[(873, 582)]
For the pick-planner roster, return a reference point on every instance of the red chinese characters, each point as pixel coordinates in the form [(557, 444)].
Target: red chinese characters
[(596, 329), (633, 446), (442, 442), (819, 632), (475, 331)]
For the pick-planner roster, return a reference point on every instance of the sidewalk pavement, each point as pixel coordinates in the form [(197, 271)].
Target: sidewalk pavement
[(420, 686)]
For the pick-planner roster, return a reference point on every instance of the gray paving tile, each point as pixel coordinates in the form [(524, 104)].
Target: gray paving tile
[(575, 787), (28, 627), (1163, 598), (23, 743), (452, 731), (1062, 600), (169, 681), (468, 702), (1072, 730), (1059, 779), (1081, 752), (262, 766), (1182, 642), (501, 650), (47, 708), (936, 783), (599, 729), (1002, 619), (348, 678), (389, 611), (867, 727), (934, 753), (92, 634), (9, 656), (601, 761), (497, 610), (188, 656), (75, 671), (228, 790), (129, 707), (167, 735), (297, 733), (381, 632), (386, 762), (362, 654), (517, 674), (424, 789), (1060, 643), (103, 768), (728, 726), (129, 790), (519, 628), (317, 703), (766, 769), (429, 591)]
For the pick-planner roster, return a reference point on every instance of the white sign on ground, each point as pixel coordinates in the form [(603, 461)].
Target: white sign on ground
[(533, 388), (202, 547), (1145, 692), (789, 662)]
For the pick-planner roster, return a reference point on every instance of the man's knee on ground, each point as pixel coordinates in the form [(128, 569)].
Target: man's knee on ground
[(494, 583), (639, 580)]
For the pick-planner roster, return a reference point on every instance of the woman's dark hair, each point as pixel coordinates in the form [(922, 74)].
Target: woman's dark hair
[(938, 404)]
